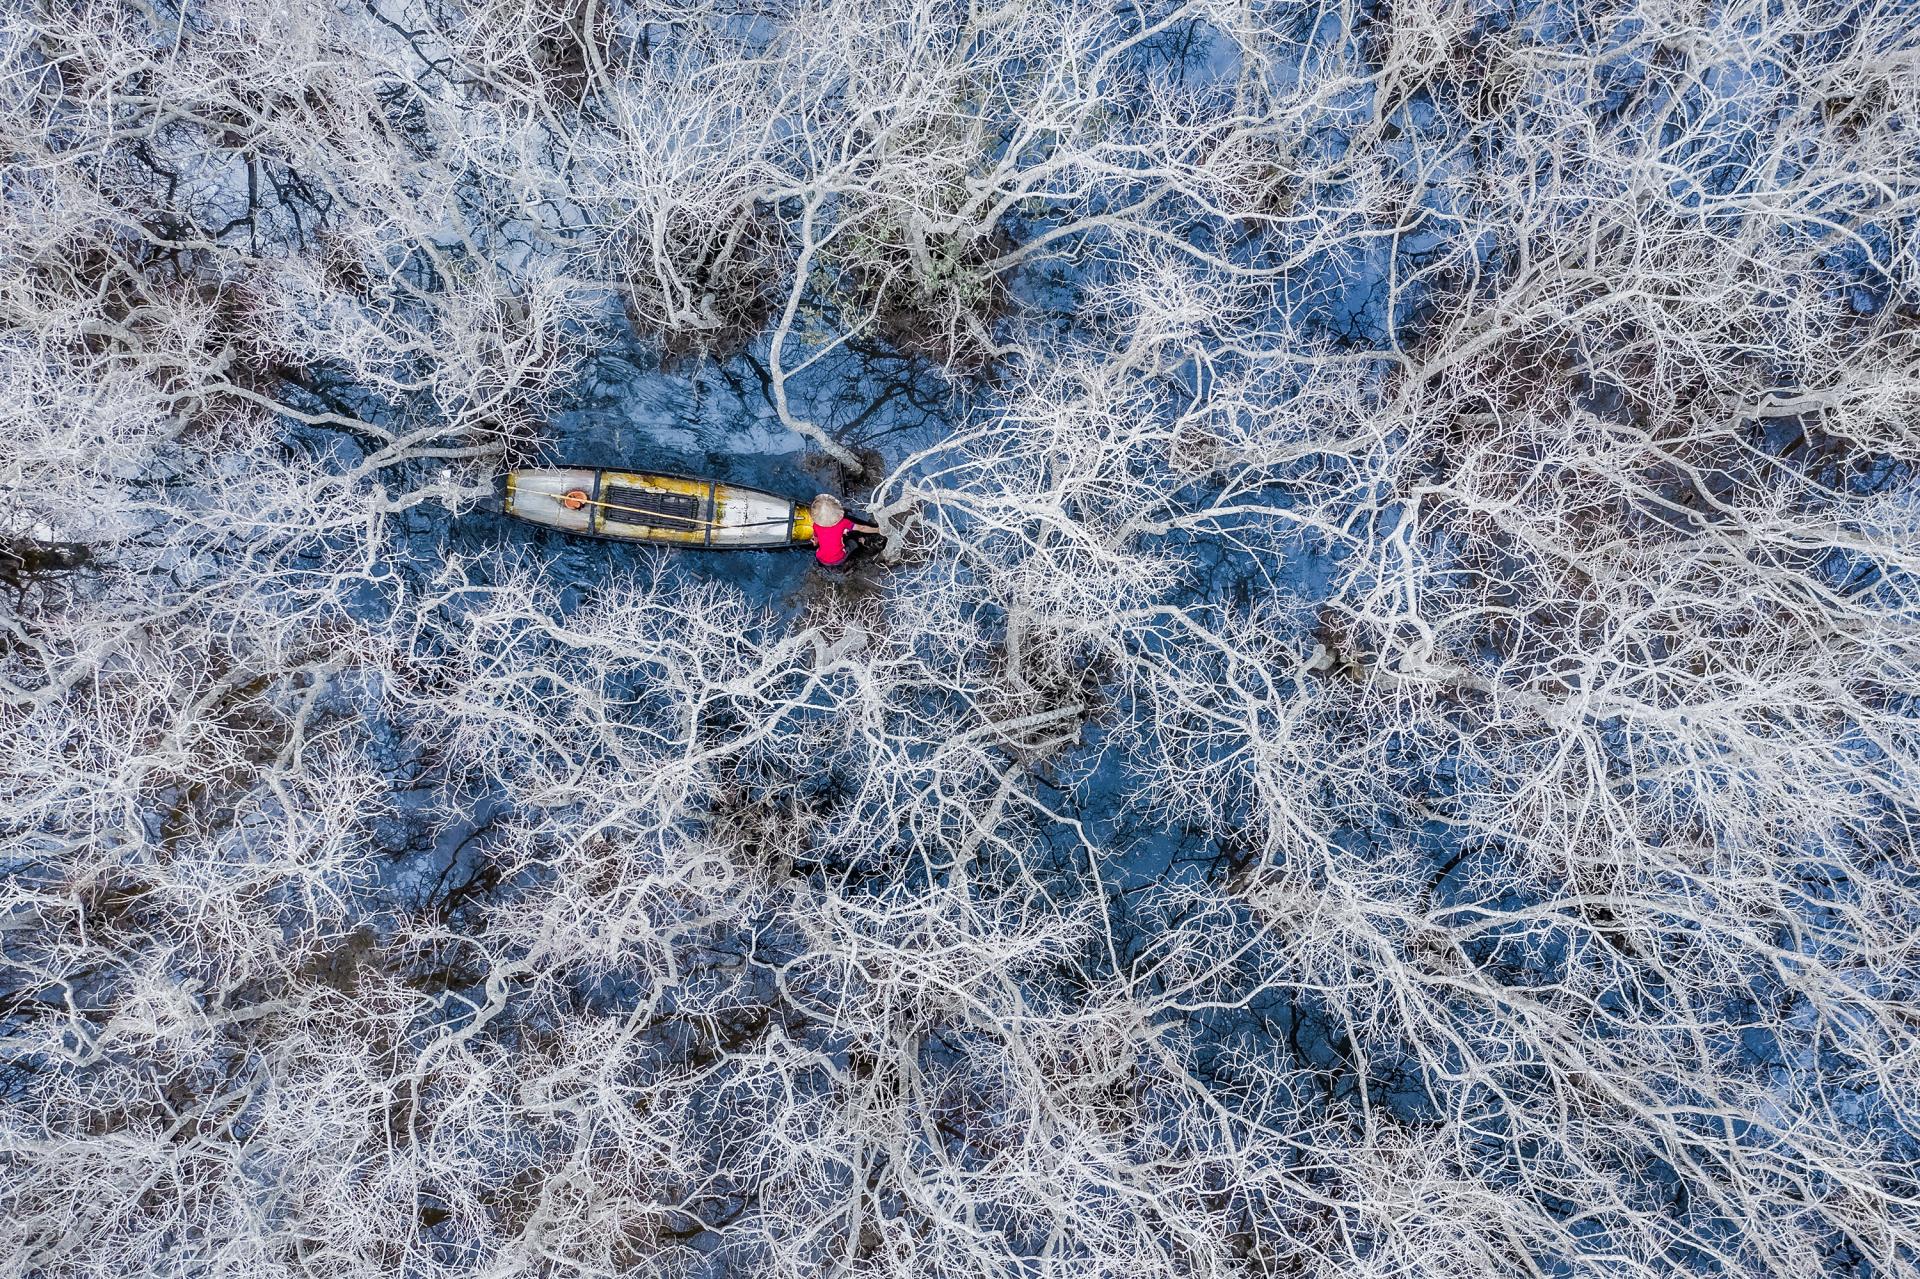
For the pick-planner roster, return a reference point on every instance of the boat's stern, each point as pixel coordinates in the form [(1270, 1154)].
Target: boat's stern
[(559, 497)]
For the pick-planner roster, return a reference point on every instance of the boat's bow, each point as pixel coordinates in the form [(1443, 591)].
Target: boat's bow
[(560, 497)]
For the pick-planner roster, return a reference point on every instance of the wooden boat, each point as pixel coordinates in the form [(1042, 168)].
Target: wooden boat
[(670, 510)]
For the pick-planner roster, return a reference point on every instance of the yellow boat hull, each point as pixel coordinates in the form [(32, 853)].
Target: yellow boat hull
[(666, 510)]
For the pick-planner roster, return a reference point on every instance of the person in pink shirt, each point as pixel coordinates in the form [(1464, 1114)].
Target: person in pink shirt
[(831, 524)]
